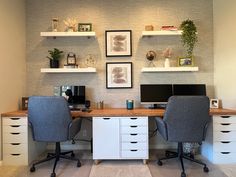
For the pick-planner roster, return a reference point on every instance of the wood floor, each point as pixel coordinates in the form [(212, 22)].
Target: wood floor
[(170, 168)]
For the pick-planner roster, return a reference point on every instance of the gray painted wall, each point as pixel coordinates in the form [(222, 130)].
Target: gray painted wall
[(108, 15)]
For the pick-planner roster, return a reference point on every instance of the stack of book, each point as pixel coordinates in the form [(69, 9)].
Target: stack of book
[(169, 28)]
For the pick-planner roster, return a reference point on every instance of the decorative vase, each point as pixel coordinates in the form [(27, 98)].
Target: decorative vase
[(167, 63), (54, 63)]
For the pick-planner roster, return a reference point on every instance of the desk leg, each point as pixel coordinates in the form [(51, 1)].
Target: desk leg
[(145, 161)]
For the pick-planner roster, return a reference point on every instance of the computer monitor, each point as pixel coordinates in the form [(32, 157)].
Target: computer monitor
[(155, 94), (189, 89)]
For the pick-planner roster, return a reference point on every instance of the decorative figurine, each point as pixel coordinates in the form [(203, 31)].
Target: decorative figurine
[(55, 24), (151, 55)]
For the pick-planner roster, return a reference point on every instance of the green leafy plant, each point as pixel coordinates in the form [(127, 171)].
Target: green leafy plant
[(189, 35), (55, 54)]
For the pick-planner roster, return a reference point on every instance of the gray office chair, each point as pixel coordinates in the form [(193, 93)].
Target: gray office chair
[(185, 120), (51, 121)]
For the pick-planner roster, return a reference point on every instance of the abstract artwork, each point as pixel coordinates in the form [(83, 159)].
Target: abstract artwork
[(118, 43), (119, 75)]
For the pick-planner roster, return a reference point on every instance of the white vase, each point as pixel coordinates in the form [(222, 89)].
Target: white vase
[(167, 63)]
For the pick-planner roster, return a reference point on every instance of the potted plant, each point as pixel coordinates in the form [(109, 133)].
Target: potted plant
[(189, 36), (55, 56)]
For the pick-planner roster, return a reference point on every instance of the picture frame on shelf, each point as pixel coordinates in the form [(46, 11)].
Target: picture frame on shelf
[(185, 61), (118, 43), (85, 27), (214, 103), (118, 75)]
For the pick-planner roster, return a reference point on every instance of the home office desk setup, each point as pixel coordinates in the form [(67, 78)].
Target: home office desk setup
[(125, 132)]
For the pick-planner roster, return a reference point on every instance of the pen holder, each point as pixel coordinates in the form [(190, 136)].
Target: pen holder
[(100, 105), (130, 104)]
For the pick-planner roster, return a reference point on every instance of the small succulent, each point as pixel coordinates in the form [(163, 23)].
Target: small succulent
[(55, 54)]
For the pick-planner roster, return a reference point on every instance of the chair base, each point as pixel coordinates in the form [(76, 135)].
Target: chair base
[(181, 156), (57, 155)]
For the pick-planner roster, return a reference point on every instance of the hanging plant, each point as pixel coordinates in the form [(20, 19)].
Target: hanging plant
[(189, 35)]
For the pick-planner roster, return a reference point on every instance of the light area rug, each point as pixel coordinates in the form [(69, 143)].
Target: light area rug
[(120, 169)]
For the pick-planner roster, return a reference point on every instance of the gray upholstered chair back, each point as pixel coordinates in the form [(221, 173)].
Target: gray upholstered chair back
[(50, 118), (186, 118)]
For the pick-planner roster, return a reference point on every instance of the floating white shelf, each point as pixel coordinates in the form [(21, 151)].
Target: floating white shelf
[(169, 69), (162, 33), (68, 70), (68, 34)]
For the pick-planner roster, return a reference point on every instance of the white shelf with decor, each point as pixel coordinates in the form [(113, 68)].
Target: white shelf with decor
[(69, 70), (169, 69), (162, 33), (68, 34)]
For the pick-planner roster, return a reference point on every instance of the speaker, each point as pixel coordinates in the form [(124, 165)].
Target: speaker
[(87, 104)]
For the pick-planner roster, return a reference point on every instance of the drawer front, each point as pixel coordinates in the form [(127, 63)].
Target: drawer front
[(15, 137), (134, 121), (225, 146), (14, 121), (15, 148), (224, 119), (15, 159), (135, 154), (134, 137), (14, 128), (134, 129), (134, 145), (224, 157), (224, 136), (224, 126)]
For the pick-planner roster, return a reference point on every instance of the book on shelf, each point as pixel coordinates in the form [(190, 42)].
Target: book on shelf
[(169, 28)]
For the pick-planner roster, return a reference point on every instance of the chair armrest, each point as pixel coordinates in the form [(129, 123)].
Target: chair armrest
[(74, 127), (161, 127)]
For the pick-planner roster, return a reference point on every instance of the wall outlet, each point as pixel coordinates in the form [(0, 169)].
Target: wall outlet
[(84, 133)]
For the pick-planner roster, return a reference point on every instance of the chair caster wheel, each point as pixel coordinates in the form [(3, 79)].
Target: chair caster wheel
[(183, 174), (32, 169), (78, 164), (159, 163), (205, 169), (72, 154), (53, 174)]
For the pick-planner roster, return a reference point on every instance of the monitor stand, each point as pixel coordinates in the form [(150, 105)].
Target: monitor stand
[(157, 106)]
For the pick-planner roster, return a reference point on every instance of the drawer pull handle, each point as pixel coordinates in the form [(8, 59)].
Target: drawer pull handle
[(15, 125), (225, 142), (15, 133), (106, 118), (15, 144), (15, 154), (133, 134), (133, 142), (225, 131), (133, 150), (133, 126), (133, 118), (225, 152), (225, 124), (14, 118), (225, 116)]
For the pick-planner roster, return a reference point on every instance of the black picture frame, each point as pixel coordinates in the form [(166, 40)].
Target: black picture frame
[(118, 43), (119, 75), (85, 27)]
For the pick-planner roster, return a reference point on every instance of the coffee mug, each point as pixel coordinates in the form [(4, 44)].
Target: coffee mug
[(130, 104)]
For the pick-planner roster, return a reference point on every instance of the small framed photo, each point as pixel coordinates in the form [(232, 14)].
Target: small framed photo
[(85, 27), (24, 103), (118, 43), (119, 75), (185, 61), (214, 103)]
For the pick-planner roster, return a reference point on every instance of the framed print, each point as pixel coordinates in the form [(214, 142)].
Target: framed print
[(185, 61), (84, 27), (24, 103), (214, 103), (118, 43), (119, 75)]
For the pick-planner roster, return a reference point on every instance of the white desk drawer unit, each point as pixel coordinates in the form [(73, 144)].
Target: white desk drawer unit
[(18, 146), (129, 137), (224, 139), (15, 139)]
